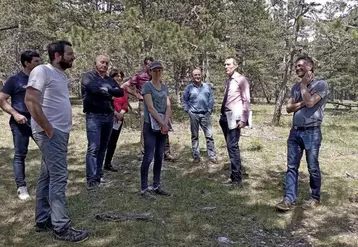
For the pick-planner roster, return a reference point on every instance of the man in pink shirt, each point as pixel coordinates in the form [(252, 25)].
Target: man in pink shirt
[(234, 116)]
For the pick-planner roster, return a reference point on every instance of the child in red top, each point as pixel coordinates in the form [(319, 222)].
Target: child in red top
[(121, 107)]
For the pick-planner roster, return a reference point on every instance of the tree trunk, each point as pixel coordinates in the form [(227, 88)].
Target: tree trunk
[(207, 71), (298, 13), (268, 100)]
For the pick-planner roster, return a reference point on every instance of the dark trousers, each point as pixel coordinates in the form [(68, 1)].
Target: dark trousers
[(154, 145), (51, 186), (99, 127), (232, 138), (112, 144), (310, 141), (21, 134)]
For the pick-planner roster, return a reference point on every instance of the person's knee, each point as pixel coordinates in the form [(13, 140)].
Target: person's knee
[(209, 135), (20, 152), (92, 148), (233, 147), (159, 155), (292, 166), (58, 177), (314, 171), (147, 157)]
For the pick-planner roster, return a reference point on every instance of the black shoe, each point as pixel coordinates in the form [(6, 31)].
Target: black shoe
[(147, 194), (43, 227), (92, 185), (197, 160), (72, 235), (110, 168), (161, 192)]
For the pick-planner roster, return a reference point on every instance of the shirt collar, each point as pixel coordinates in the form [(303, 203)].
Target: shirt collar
[(22, 73), (201, 84), (96, 73), (235, 75)]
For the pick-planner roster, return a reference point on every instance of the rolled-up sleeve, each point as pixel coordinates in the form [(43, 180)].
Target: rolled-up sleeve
[(245, 94)]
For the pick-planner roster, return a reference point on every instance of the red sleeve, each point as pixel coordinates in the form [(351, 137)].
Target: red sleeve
[(125, 101), (121, 103), (117, 104)]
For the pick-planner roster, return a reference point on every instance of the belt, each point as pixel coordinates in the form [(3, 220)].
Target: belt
[(200, 112), (101, 113), (305, 128)]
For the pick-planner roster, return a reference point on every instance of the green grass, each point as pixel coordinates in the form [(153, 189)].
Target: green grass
[(246, 216)]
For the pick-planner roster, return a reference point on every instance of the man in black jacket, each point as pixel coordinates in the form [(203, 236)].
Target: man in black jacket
[(97, 92)]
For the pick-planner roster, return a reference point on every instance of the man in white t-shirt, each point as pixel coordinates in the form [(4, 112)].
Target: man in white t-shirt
[(47, 99)]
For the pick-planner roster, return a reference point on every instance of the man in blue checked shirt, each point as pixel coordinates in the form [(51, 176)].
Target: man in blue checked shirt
[(198, 102)]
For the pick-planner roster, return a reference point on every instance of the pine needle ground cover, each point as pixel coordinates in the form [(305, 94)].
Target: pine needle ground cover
[(202, 211)]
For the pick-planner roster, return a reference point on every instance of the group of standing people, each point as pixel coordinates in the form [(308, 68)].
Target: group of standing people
[(38, 91)]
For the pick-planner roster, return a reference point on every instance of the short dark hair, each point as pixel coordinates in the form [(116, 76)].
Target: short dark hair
[(307, 59), (115, 72), (27, 56), (57, 46), (146, 59)]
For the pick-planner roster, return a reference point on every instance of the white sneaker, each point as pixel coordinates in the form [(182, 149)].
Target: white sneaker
[(22, 193), (105, 181)]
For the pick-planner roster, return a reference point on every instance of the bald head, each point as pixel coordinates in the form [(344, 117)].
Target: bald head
[(101, 64)]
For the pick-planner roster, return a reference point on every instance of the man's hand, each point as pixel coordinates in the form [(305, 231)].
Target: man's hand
[(104, 88), (20, 119), (139, 96), (49, 132), (240, 124), (119, 116), (307, 78)]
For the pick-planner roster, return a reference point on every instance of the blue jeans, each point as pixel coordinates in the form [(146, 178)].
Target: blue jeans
[(204, 121), (99, 127), (51, 186), (232, 138), (310, 141), (154, 145), (21, 134)]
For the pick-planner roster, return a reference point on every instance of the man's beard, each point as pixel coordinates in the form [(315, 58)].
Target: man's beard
[(65, 64)]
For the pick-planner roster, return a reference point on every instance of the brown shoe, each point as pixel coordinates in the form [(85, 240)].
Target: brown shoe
[(197, 160), (169, 157), (214, 160), (284, 205), (311, 203)]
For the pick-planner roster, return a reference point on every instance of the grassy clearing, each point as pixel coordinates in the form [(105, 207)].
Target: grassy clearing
[(245, 216)]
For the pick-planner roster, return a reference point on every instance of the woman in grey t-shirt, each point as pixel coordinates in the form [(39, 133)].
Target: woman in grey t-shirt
[(157, 112)]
